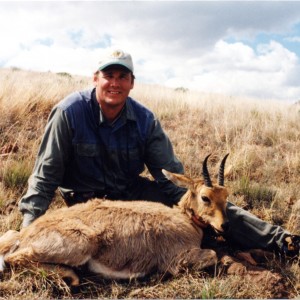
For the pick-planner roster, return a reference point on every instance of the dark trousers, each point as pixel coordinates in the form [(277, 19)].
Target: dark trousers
[(143, 189)]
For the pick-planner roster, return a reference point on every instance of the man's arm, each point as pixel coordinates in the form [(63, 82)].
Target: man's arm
[(49, 166), (159, 155)]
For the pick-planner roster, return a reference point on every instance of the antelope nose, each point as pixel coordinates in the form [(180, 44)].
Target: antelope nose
[(225, 226)]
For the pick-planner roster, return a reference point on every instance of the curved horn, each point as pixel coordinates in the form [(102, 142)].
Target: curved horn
[(221, 170), (205, 173)]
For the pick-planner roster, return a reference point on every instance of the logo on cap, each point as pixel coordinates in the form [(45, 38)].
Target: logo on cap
[(117, 54)]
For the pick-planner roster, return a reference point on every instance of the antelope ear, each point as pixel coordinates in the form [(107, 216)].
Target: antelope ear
[(228, 171), (167, 173), (179, 179)]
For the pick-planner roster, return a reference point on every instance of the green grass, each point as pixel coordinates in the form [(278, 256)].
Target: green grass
[(16, 174)]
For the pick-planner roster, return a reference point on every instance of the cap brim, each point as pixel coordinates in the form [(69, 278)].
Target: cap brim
[(115, 64)]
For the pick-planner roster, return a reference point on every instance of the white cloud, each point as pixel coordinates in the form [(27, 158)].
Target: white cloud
[(173, 43), (77, 61), (294, 39), (237, 69)]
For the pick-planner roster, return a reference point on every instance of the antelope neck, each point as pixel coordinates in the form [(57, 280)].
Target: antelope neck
[(198, 221)]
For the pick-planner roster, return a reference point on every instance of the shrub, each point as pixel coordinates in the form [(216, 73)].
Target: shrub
[(255, 195), (16, 174)]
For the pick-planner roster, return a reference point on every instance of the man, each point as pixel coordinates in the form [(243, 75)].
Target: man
[(96, 144)]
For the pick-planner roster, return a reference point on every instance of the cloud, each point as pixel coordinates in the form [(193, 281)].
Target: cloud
[(237, 69), (183, 43), (294, 39)]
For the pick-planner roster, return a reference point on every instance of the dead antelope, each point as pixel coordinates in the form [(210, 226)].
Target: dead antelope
[(124, 239)]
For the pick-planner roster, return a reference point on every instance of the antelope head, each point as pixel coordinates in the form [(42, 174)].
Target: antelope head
[(204, 201)]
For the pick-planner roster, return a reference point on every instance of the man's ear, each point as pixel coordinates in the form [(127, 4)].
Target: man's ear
[(95, 78), (132, 81)]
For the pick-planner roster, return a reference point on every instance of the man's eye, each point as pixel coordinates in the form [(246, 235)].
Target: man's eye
[(124, 77)]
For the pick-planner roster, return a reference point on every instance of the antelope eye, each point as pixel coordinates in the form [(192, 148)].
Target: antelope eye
[(205, 199)]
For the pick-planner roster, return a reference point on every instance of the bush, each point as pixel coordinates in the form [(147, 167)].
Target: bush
[(15, 175), (255, 195)]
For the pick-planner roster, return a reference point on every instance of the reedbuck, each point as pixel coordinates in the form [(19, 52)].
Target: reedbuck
[(124, 239)]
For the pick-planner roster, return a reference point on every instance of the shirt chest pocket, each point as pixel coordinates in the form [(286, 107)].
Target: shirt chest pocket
[(88, 150)]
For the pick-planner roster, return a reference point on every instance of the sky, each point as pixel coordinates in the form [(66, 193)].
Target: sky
[(237, 48)]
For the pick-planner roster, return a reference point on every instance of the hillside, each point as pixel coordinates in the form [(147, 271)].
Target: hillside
[(262, 137)]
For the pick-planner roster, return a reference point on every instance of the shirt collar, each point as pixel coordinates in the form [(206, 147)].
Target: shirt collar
[(102, 119), (127, 111), (130, 114)]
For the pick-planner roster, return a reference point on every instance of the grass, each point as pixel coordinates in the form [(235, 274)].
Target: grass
[(15, 175), (263, 139)]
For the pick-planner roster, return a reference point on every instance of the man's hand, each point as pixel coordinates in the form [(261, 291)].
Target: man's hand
[(291, 247)]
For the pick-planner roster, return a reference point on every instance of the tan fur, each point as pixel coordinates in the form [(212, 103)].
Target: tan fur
[(120, 239), (212, 212)]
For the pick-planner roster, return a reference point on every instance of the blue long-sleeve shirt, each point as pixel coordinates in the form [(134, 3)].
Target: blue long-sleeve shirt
[(81, 152)]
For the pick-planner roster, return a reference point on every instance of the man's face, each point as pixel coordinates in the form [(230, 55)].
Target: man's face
[(113, 85)]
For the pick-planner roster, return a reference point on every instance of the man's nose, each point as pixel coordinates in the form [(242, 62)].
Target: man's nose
[(115, 81)]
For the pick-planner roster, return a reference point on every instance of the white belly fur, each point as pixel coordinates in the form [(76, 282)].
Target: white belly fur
[(107, 272), (2, 263)]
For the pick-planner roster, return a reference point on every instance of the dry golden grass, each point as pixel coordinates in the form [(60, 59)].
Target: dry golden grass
[(263, 139)]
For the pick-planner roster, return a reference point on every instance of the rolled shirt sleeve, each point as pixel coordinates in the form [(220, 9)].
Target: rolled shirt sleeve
[(49, 166)]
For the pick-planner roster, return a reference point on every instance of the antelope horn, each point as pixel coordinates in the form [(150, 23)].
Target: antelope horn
[(205, 173), (221, 170)]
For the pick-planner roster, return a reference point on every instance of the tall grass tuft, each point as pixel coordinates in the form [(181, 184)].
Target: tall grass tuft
[(255, 195), (16, 174)]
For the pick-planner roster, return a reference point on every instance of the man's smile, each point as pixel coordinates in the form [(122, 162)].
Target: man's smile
[(114, 92)]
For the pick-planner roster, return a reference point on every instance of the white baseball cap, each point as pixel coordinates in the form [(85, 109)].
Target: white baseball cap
[(116, 57)]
